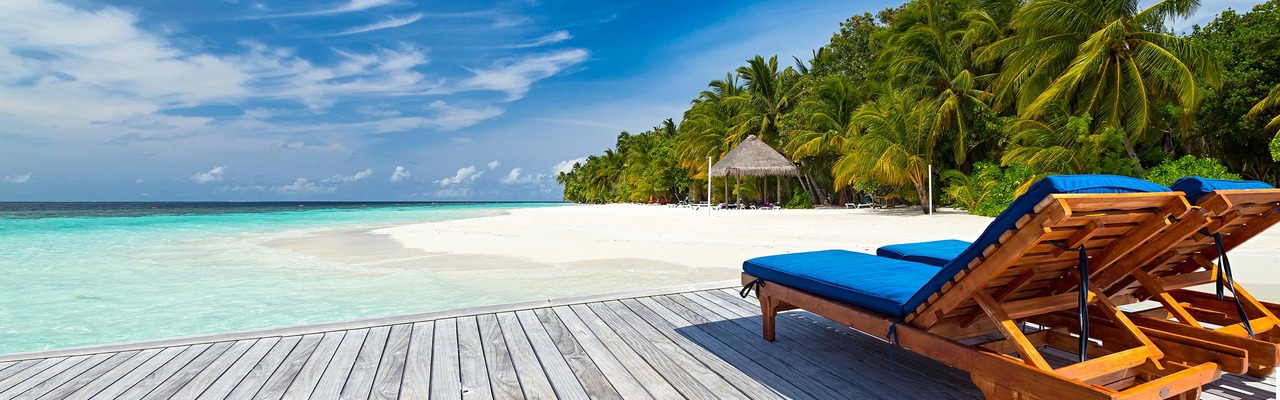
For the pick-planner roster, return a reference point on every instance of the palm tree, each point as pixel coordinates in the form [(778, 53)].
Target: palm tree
[(704, 131), (1107, 58), (769, 95), (1271, 102), (894, 145), (931, 57), (1059, 143)]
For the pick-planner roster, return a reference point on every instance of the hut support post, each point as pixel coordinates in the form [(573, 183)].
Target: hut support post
[(778, 187)]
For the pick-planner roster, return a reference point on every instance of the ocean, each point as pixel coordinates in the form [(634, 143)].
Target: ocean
[(76, 274)]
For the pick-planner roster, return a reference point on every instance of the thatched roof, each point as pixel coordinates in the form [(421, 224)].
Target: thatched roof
[(754, 158)]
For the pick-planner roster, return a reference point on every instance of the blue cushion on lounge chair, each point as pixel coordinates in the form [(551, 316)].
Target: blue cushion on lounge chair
[(877, 283), (1023, 205), (936, 253), (897, 287), (1196, 187)]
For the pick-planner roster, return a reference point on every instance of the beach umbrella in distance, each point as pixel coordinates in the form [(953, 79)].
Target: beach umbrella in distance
[(756, 159)]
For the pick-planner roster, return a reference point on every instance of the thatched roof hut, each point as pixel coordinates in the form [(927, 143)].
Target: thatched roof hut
[(754, 158)]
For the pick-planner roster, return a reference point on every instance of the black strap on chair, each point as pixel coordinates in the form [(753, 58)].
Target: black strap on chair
[(892, 338), (1083, 308), (755, 284), (1225, 280)]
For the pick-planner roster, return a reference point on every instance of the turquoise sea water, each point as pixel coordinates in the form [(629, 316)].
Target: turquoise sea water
[(96, 274)]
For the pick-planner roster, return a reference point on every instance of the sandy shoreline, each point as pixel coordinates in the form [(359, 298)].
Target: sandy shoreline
[(572, 250)]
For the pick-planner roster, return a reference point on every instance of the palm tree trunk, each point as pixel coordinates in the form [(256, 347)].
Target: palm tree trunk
[(923, 195), (1128, 148)]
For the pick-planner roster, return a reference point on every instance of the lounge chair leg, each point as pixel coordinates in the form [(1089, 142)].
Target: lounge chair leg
[(1261, 372), (768, 313)]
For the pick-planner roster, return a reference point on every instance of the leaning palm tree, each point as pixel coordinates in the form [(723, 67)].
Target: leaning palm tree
[(825, 119), (1107, 58), (894, 145)]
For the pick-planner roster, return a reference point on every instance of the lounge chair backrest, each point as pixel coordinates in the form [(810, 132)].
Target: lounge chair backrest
[(1236, 210), (1057, 203)]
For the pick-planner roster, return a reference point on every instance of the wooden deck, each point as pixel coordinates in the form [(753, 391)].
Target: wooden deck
[(702, 344)]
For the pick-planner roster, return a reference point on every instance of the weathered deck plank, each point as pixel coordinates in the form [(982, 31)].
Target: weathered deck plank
[(71, 380), (335, 374), (446, 380), (231, 376), (386, 383), (472, 367), (593, 380), (258, 374), (700, 344), (171, 387), (72, 364), (416, 382), (170, 359), (535, 383), (359, 383), (104, 374), (563, 380), (304, 383), (282, 377)]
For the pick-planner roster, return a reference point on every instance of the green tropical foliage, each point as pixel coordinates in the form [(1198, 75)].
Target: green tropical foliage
[(996, 93), (1170, 171)]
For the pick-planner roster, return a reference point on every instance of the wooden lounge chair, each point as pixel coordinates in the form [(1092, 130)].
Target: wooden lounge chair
[(1187, 258), (999, 282)]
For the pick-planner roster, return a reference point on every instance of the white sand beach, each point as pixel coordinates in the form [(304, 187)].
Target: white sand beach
[(618, 247)]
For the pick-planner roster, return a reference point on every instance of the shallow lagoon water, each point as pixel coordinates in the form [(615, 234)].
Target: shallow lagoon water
[(89, 277)]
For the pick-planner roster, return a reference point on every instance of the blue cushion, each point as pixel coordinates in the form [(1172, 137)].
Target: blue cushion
[(877, 283), (1196, 187), (936, 253), (897, 287), (1023, 205)]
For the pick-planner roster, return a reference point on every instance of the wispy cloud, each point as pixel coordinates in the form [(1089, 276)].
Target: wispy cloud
[(350, 7), (550, 38), (450, 118), (399, 174), (358, 176), (516, 76), (17, 178), (393, 22), (465, 174), (493, 164), (212, 175), (302, 185)]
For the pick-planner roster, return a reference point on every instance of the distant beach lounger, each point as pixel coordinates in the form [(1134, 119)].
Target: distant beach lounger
[(866, 202), (1059, 230)]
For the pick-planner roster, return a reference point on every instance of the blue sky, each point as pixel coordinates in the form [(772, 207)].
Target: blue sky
[(158, 100)]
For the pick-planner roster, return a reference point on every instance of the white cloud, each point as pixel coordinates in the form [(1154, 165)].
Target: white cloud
[(465, 174), (302, 185), (399, 174), (453, 192), (566, 165), (493, 164), (351, 6), (17, 178), (517, 176), (550, 38), (212, 175), (515, 77), (388, 23), (352, 178), (450, 118)]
